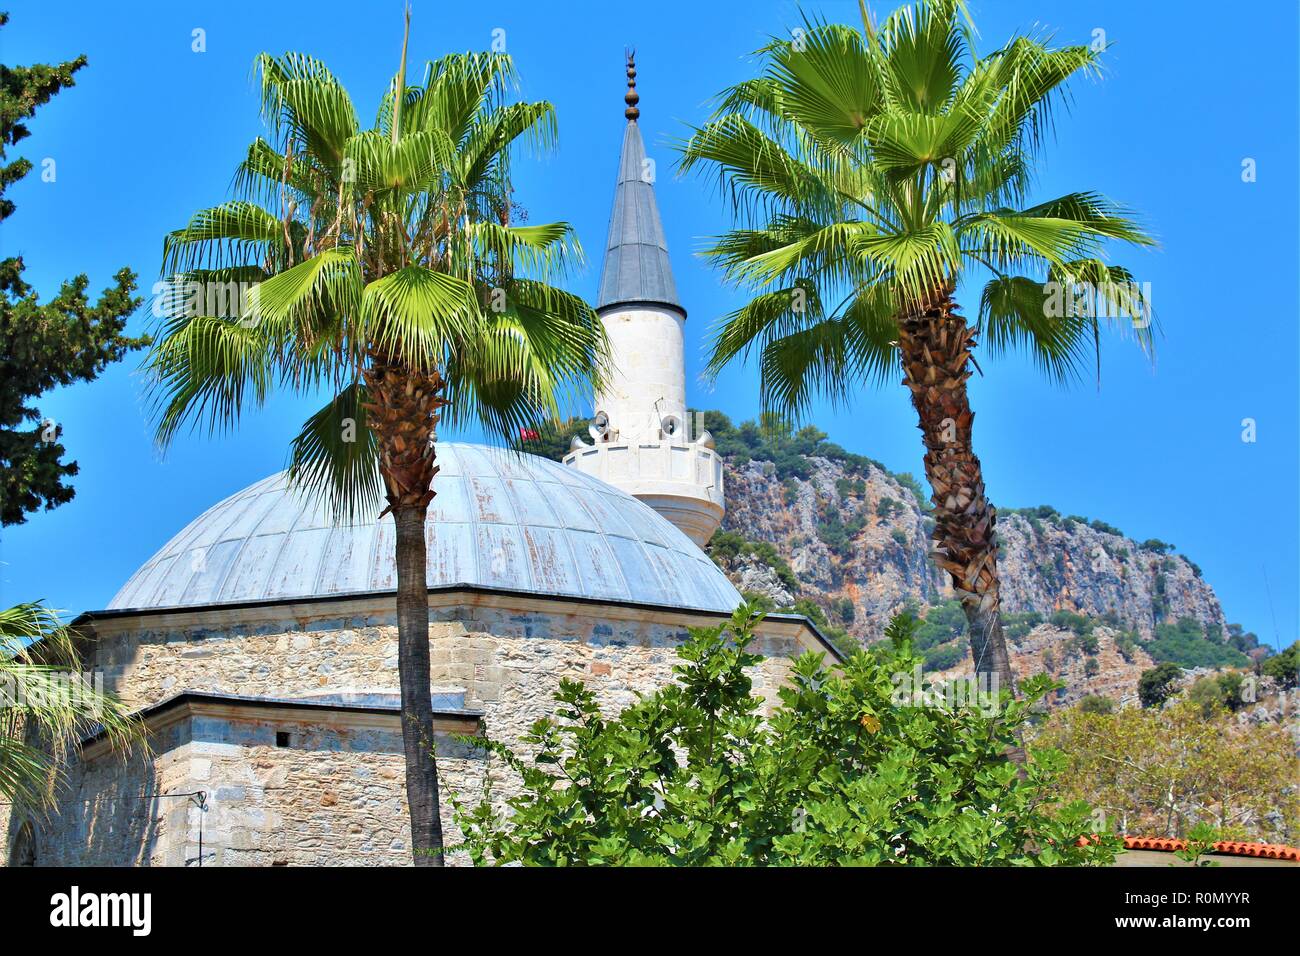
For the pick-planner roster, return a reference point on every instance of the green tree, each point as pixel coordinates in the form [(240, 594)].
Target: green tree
[(1161, 772), (46, 706), (871, 170), (1158, 684), (44, 345), (385, 268), (1284, 667), (851, 768)]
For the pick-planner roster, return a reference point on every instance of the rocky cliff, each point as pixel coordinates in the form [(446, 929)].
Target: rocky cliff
[(856, 540)]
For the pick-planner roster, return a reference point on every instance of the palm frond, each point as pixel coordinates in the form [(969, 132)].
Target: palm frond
[(48, 706), (828, 78), (235, 233), (461, 88), (416, 314), (206, 370), (335, 457), (531, 125), (1014, 314), (753, 169), (925, 47), (545, 348), (319, 298), (306, 104), (544, 250)]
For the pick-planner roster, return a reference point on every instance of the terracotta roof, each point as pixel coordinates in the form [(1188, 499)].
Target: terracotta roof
[(1269, 851)]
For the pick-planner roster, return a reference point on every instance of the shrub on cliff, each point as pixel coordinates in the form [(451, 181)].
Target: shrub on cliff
[(1186, 643), (853, 767), (1284, 667), (729, 546), (1158, 684)]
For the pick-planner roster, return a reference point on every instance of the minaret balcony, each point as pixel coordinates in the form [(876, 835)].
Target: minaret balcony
[(681, 480)]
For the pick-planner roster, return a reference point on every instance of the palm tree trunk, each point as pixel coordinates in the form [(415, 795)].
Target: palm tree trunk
[(403, 414), (417, 699), (936, 348)]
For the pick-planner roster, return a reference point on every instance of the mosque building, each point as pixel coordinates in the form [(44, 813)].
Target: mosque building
[(259, 645)]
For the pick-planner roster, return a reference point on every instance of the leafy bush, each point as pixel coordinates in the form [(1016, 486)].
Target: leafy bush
[(943, 656), (1156, 545), (848, 487), (848, 769), (1017, 626), (1242, 640), (1215, 693), (1156, 685), (943, 622), (836, 533), (1069, 621), (1041, 513), (908, 481), (789, 491), (1096, 704), (887, 508), (771, 439), (844, 609)]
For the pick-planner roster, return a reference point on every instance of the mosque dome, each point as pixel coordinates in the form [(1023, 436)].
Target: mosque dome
[(499, 520)]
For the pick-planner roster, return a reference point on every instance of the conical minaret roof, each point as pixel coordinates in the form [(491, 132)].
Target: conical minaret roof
[(636, 268)]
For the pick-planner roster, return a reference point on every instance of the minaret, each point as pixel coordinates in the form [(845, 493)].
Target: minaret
[(642, 440)]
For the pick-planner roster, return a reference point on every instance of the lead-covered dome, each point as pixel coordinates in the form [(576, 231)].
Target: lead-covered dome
[(499, 520)]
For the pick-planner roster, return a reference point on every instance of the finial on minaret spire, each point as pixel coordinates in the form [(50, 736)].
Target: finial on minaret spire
[(631, 98)]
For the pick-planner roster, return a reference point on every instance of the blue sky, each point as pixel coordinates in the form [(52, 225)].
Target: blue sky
[(154, 130)]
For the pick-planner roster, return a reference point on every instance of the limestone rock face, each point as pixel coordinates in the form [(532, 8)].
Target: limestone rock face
[(1048, 649), (755, 577), (882, 562), (1048, 565), (860, 538)]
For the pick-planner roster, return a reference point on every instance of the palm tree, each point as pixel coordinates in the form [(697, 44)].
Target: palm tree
[(46, 706), (384, 267), (870, 171)]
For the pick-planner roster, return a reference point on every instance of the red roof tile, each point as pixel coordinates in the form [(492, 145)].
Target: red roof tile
[(1270, 851)]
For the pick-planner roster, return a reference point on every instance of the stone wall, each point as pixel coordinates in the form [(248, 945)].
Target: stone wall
[(331, 793), (508, 661), (108, 814), (337, 795)]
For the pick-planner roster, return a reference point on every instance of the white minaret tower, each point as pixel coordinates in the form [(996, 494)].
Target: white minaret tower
[(642, 441)]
